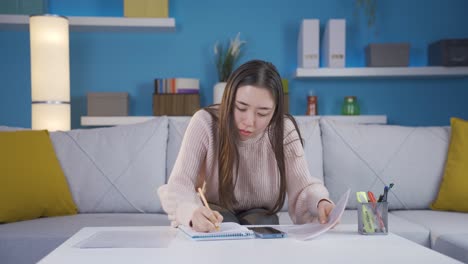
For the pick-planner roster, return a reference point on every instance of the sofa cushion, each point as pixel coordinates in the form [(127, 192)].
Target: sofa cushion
[(447, 230), (438, 222), (453, 192), (32, 183), (177, 127), (368, 157), (115, 169), (29, 241), (453, 245), (310, 132)]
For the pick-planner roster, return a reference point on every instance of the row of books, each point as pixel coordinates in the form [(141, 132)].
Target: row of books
[(176, 86), (333, 50)]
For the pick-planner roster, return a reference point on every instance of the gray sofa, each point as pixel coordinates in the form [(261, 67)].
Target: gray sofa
[(113, 174)]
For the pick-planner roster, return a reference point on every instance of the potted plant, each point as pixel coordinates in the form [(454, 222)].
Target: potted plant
[(369, 7), (226, 59)]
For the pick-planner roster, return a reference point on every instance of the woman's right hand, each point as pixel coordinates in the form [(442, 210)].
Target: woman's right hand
[(205, 220)]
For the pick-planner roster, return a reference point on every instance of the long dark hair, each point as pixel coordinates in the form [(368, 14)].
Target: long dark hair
[(259, 74)]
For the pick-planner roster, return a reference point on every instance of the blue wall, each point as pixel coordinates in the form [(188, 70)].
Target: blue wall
[(129, 61)]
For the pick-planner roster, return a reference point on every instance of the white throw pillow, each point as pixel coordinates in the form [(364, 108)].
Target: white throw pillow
[(368, 157), (115, 169)]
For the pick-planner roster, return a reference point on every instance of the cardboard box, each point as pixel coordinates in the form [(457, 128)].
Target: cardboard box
[(387, 55), (146, 8), (108, 104)]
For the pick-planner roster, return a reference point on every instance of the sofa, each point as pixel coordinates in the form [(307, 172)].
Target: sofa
[(113, 174)]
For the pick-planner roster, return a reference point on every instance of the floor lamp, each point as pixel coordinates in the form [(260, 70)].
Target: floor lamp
[(50, 72)]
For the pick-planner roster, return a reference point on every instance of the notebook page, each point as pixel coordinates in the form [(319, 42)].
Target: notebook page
[(228, 230)]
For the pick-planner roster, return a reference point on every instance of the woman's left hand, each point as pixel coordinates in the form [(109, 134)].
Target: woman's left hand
[(324, 208)]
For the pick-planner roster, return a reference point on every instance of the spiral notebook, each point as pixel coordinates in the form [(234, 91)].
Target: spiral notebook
[(228, 230)]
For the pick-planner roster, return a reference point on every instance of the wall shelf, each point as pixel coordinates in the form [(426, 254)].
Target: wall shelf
[(376, 72), (127, 120), (78, 23)]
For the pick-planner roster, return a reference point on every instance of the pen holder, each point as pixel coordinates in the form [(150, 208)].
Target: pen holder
[(373, 218)]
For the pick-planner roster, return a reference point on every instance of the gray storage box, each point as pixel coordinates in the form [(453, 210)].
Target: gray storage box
[(108, 104), (387, 55)]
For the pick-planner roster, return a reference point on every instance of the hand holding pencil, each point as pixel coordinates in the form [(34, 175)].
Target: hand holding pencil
[(204, 219)]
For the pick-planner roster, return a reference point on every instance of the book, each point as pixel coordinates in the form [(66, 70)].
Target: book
[(308, 44), (228, 230), (176, 86), (334, 44)]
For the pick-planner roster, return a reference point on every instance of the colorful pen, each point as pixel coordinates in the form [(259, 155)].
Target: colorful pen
[(385, 194), (371, 197), (372, 200)]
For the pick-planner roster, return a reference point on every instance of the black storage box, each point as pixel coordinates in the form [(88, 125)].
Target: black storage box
[(387, 55), (448, 52)]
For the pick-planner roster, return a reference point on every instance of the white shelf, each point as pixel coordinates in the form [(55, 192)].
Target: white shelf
[(382, 72), (113, 120), (21, 22), (359, 119), (127, 120)]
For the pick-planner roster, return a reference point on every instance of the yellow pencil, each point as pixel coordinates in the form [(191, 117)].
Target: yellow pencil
[(206, 203)]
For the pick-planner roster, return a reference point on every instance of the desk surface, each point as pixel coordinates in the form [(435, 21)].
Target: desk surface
[(340, 245)]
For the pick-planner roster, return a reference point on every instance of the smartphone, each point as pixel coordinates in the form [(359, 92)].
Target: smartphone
[(267, 232)]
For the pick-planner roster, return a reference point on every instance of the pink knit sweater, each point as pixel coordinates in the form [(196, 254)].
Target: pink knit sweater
[(257, 184)]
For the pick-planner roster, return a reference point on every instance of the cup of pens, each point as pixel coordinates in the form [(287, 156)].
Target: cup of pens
[(373, 218)]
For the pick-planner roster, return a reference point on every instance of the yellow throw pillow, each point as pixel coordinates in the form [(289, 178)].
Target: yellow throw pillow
[(32, 183), (453, 192)]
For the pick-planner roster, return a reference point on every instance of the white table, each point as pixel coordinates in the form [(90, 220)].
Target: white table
[(341, 245)]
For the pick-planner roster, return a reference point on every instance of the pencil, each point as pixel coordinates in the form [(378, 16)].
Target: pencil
[(206, 204)]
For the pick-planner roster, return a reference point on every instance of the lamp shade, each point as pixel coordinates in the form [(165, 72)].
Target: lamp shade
[(50, 72)]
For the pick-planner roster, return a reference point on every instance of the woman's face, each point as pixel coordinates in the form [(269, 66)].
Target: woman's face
[(253, 110)]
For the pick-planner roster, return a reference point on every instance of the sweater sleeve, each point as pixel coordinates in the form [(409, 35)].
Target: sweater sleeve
[(179, 197), (304, 190)]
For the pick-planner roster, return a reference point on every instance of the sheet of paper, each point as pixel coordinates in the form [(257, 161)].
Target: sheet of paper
[(128, 239), (311, 230)]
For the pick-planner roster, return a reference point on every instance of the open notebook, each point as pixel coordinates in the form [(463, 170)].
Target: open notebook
[(228, 230)]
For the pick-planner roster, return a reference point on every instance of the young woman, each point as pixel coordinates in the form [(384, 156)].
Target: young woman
[(250, 155)]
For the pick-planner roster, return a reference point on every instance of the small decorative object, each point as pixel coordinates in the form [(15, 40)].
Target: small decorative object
[(312, 108), (226, 59), (350, 106)]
